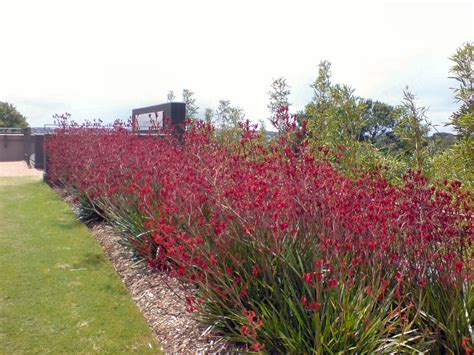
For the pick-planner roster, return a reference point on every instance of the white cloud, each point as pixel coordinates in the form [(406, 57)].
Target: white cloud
[(101, 58)]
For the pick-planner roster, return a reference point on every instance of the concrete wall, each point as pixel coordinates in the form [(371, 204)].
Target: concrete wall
[(28, 147), (14, 146), (37, 158)]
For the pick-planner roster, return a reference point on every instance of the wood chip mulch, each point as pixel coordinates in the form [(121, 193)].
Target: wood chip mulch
[(160, 298)]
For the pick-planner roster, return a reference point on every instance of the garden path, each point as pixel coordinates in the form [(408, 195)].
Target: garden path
[(18, 168)]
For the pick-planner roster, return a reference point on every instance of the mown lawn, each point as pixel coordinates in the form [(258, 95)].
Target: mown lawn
[(58, 291)]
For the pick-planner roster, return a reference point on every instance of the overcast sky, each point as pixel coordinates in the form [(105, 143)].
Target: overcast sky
[(99, 59)]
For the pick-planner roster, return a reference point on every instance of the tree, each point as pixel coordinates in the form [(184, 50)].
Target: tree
[(223, 112), (262, 127), (191, 107), (229, 116), (279, 96), (322, 88), (10, 117), (463, 73), (457, 161), (209, 115), (412, 129), (171, 96), (335, 118), (335, 114), (442, 141), (229, 122), (379, 119)]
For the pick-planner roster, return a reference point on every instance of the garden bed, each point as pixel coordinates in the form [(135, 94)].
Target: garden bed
[(281, 250), (160, 297)]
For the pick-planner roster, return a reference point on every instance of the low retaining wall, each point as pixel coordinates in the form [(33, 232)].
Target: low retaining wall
[(13, 147), (23, 146)]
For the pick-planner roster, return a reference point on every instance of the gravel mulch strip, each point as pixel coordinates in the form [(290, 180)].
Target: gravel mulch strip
[(160, 298)]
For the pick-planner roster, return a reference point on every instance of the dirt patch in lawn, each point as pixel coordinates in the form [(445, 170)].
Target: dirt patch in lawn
[(161, 298)]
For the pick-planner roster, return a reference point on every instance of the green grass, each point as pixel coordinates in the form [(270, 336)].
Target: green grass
[(58, 291)]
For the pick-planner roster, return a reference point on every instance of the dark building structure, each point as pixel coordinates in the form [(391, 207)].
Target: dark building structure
[(169, 117)]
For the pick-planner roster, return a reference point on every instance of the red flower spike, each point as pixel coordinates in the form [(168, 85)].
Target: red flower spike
[(314, 306), (257, 347), (255, 271), (332, 283)]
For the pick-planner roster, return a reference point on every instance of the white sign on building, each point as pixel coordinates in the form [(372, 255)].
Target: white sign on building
[(149, 120)]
